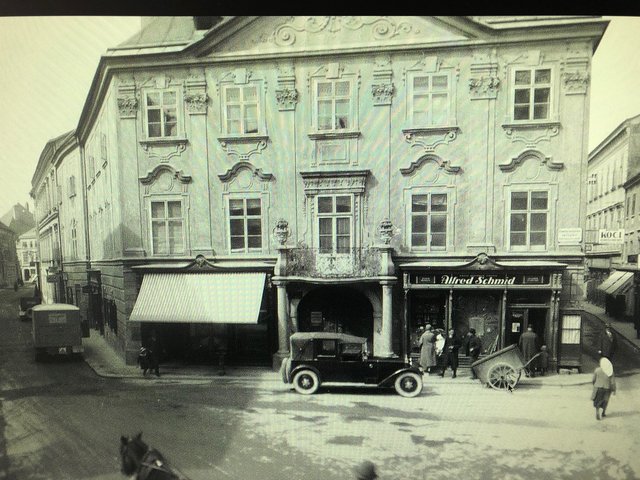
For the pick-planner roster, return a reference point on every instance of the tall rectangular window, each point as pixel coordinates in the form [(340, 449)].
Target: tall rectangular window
[(167, 227), (429, 221), (161, 110), (430, 100), (532, 94), (335, 218), (241, 109), (633, 205), (529, 219), (245, 224), (333, 105)]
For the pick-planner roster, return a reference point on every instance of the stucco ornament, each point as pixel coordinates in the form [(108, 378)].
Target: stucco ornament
[(386, 231), (281, 231), (287, 98), (382, 93), (127, 106)]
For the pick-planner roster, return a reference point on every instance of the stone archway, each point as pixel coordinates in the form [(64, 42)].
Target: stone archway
[(337, 308)]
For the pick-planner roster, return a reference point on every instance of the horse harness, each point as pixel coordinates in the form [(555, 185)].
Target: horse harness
[(152, 460)]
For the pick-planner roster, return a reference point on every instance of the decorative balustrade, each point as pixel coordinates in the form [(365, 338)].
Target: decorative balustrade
[(315, 263)]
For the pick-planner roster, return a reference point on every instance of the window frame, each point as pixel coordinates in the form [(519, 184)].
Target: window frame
[(352, 98), (184, 221), (411, 94), (548, 211), (245, 217), (531, 88), (260, 129), (429, 216), (178, 112), (334, 215)]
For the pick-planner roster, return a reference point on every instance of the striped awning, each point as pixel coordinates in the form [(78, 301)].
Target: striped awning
[(199, 298), (616, 282)]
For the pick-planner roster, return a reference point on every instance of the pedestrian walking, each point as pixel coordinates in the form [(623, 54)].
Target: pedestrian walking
[(452, 346), (365, 471), (608, 342), (154, 351), (604, 384), (427, 350), (474, 349), (528, 344), (143, 360)]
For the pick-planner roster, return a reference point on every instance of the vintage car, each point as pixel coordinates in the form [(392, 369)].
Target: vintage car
[(26, 304), (323, 357)]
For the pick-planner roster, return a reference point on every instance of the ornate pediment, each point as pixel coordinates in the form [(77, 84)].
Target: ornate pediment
[(317, 33), (165, 179), (482, 262)]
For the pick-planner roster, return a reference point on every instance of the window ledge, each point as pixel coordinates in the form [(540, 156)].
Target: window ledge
[(431, 130), (249, 137), (334, 134), (160, 141), (531, 124)]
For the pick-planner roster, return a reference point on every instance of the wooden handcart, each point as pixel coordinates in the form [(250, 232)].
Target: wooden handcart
[(501, 370)]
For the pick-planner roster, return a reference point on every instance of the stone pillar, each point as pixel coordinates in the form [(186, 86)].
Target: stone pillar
[(385, 348), (293, 314), (283, 324)]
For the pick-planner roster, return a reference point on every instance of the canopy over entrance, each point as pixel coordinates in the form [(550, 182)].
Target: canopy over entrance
[(616, 283), (233, 298)]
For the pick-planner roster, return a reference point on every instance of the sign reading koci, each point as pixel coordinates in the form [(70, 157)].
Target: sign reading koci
[(610, 236)]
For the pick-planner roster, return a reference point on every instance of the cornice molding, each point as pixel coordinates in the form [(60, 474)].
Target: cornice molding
[(233, 172), (443, 164)]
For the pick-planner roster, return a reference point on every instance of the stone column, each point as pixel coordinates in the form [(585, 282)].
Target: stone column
[(283, 323), (385, 348)]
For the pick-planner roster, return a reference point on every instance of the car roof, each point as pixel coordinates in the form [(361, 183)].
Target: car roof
[(341, 337)]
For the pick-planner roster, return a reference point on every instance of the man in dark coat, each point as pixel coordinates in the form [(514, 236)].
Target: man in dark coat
[(528, 344), (474, 348), (451, 347), (608, 343)]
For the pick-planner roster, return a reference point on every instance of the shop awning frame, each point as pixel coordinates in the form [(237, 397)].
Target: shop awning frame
[(223, 298), (616, 283)]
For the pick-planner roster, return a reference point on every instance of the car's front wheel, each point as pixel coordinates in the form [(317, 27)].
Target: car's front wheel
[(408, 384), (306, 382)]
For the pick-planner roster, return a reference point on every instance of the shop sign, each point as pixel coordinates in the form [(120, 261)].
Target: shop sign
[(484, 279), (570, 235), (53, 278), (610, 236)]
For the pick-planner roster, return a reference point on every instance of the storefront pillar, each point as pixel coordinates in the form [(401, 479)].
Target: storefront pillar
[(283, 324), (385, 343)]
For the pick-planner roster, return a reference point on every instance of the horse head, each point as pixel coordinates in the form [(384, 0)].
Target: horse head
[(132, 449)]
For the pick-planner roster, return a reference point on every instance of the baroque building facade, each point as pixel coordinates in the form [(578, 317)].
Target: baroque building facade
[(245, 177), (27, 251)]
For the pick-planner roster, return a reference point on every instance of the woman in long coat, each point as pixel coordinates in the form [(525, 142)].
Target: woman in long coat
[(427, 350), (604, 383)]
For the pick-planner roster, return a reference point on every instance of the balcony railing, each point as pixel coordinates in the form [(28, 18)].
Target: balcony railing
[(315, 263)]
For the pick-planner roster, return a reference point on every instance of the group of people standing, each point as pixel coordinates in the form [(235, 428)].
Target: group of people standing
[(438, 352)]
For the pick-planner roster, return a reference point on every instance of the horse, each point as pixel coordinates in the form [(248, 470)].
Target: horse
[(139, 462)]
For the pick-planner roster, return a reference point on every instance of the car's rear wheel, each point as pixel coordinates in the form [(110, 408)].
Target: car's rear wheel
[(408, 384), (306, 382)]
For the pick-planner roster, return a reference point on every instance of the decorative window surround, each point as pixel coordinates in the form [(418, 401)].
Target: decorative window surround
[(430, 138), (430, 67), (519, 160), (538, 132), (164, 149), (245, 146), (443, 164), (169, 180), (334, 74), (242, 79), (327, 183)]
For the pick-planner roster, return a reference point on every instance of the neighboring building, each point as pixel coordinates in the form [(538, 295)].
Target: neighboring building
[(613, 228), (246, 176), (19, 219), (27, 251), (8, 258), (51, 194)]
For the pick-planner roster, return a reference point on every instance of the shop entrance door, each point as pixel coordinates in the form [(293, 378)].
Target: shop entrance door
[(519, 319)]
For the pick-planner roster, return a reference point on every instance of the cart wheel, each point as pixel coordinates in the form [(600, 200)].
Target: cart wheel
[(503, 376)]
